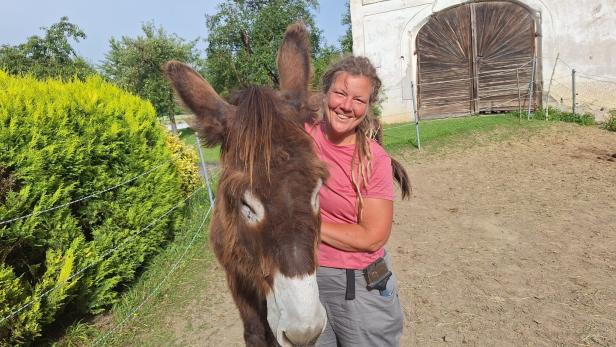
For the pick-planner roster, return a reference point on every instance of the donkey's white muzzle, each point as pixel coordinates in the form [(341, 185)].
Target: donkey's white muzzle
[(294, 311)]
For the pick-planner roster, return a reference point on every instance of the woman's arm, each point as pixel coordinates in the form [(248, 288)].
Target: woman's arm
[(369, 235)]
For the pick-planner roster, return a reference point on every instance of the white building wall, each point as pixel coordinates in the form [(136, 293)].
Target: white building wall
[(581, 33)]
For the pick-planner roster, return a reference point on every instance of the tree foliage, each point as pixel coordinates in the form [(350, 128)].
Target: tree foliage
[(135, 64), (244, 36), (323, 58), (49, 56), (346, 41), (61, 142)]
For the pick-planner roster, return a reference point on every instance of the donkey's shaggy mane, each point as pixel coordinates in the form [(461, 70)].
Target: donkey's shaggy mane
[(262, 113), (255, 118)]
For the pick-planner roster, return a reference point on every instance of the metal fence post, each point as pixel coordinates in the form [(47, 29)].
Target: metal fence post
[(517, 76), (573, 91), (531, 94), (416, 115), (205, 172), (547, 97)]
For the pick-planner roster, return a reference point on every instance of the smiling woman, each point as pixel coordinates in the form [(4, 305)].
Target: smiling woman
[(347, 103), (356, 211)]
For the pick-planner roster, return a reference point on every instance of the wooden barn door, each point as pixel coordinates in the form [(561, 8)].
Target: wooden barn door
[(444, 63), (475, 58), (505, 46)]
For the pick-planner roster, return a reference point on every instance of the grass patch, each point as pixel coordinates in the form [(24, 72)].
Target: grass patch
[(159, 292), (442, 132), (211, 155), (560, 116), (610, 123)]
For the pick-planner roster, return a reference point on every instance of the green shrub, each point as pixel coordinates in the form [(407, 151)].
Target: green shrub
[(60, 142), (555, 114), (610, 123), (186, 160)]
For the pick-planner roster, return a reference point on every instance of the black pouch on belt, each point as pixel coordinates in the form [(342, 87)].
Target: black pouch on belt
[(377, 274)]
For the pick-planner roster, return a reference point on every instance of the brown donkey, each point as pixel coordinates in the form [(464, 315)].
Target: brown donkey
[(265, 226)]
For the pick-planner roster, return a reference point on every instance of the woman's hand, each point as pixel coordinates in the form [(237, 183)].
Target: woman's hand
[(369, 235)]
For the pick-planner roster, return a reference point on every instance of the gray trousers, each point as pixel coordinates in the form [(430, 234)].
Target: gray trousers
[(372, 319)]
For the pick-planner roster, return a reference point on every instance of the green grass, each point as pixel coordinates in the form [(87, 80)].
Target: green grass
[(610, 123), (211, 155), (159, 291), (562, 116), (442, 132)]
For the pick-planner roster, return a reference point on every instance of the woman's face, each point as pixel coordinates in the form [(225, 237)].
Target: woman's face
[(347, 100)]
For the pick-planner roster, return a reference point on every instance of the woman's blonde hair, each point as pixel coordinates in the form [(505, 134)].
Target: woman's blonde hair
[(368, 129)]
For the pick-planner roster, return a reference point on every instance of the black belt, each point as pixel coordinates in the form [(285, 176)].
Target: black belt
[(377, 274), (350, 284)]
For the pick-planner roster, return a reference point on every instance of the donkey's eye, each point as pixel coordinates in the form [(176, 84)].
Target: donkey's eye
[(252, 209), (314, 199)]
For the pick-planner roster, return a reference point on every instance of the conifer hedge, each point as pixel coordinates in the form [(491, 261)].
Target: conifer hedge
[(60, 142)]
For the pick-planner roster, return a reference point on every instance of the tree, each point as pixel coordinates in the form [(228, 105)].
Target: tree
[(135, 64), (323, 58), (346, 41), (244, 36), (48, 56)]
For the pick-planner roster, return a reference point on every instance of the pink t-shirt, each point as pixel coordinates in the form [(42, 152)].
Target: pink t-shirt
[(338, 200)]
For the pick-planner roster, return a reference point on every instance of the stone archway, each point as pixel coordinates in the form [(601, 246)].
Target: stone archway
[(476, 58)]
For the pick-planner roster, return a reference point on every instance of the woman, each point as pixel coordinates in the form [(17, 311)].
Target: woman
[(356, 212)]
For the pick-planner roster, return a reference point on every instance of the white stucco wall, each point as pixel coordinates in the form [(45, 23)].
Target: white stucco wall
[(581, 33)]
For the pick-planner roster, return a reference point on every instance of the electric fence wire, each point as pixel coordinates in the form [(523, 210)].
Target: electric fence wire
[(487, 73), (481, 96), (506, 72), (605, 79), (214, 173), (561, 84), (504, 103), (503, 71), (157, 288), (596, 78), (588, 101), (590, 105), (101, 258), (82, 198), (409, 124)]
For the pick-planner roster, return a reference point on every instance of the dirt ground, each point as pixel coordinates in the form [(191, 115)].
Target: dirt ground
[(504, 243)]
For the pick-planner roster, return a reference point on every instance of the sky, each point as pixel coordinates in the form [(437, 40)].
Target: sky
[(101, 20)]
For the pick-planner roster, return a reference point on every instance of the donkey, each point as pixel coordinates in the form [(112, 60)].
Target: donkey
[(265, 225)]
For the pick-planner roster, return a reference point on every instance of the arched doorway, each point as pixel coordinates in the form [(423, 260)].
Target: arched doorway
[(476, 58)]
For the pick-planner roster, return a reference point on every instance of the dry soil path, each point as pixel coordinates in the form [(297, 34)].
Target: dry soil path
[(504, 243)]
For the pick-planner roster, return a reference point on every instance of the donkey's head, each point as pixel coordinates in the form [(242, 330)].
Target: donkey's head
[(267, 203)]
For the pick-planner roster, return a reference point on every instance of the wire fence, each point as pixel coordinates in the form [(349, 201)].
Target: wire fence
[(211, 176), (87, 197), (565, 88), (573, 90), (98, 260), (117, 328)]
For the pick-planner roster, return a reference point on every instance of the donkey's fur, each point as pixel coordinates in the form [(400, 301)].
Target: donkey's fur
[(265, 152)]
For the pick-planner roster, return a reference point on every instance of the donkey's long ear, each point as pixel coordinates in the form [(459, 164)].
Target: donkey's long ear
[(209, 108), (294, 59)]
